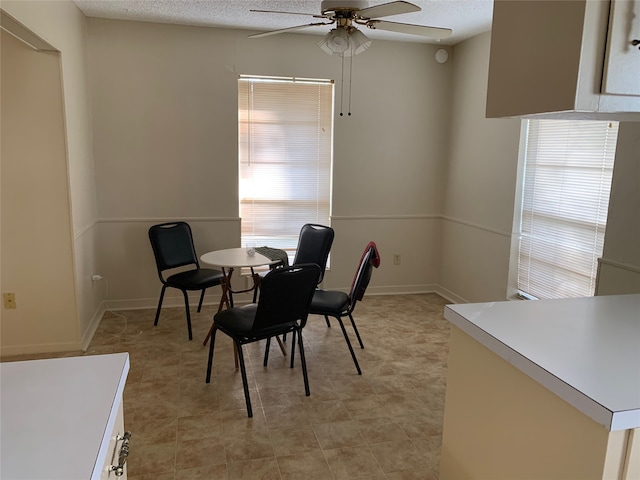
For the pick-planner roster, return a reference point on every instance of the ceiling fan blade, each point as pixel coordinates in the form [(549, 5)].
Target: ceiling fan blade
[(388, 9), (433, 32), (289, 13), (290, 29)]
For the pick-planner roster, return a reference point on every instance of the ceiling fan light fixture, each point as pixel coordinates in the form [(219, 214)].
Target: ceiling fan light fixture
[(336, 41), (358, 41), (345, 41)]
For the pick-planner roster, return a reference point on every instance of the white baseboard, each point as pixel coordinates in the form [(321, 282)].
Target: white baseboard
[(37, 348), (93, 326), (449, 295), (178, 301)]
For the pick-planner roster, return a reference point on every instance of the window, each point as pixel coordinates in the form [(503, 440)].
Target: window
[(285, 154), (567, 180)]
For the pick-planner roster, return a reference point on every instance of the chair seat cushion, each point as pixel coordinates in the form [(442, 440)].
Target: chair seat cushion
[(238, 322), (196, 279), (329, 302)]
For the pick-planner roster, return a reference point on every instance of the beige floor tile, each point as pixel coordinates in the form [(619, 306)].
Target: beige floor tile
[(326, 411), (287, 416), (263, 469), (399, 456), (352, 462), (209, 472), (158, 458), (338, 435), (149, 431), (153, 476), (413, 475), (200, 452), (236, 421), (294, 440), (248, 446), (385, 424), (200, 426), (380, 430), (307, 466)]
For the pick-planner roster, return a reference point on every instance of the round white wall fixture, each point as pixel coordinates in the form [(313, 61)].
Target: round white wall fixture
[(442, 55)]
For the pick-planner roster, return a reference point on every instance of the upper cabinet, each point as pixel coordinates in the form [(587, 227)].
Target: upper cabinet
[(565, 59)]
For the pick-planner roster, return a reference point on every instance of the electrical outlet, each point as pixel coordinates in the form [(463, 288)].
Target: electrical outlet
[(9, 299), (396, 259)]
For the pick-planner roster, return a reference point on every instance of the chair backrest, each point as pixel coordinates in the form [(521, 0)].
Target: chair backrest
[(314, 245), (285, 296), (172, 245), (370, 258)]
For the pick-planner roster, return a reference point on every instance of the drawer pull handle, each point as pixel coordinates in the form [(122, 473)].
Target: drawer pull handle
[(122, 456)]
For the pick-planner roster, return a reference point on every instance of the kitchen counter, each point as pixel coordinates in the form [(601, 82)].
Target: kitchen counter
[(58, 416), (544, 389), (585, 350)]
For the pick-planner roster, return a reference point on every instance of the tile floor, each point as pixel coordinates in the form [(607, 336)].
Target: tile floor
[(385, 424)]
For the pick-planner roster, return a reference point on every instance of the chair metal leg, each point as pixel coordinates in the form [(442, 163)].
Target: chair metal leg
[(355, 329), (326, 319), (266, 352), (245, 383), (346, 337), (186, 306), (293, 347), (155, 322), (201, 299), (304, 365), (213, 341)]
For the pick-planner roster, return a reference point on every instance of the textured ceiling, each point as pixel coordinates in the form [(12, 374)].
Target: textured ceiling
[(466, 17)]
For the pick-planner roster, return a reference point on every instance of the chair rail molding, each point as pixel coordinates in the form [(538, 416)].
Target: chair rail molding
[(166, 219), (425, 216), (477, 226)]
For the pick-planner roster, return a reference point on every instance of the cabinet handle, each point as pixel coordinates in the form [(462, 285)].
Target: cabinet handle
[(122, 456), (635, 43)]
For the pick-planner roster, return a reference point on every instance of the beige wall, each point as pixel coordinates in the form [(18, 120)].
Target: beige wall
[(480, 185), (417, 166), (61, 24), (165, 133), (37, 254), (619, 269)]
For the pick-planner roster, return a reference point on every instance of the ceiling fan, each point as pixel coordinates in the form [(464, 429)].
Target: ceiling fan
[(345, 39)]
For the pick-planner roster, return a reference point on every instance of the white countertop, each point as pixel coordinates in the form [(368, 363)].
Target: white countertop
[(57, 415), (585, 350)]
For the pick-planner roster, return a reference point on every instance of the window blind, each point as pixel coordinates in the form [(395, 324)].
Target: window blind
[(285, 158), (567, 181)]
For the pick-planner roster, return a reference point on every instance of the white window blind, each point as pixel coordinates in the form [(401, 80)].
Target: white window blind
[(567, 181), (285, 154)]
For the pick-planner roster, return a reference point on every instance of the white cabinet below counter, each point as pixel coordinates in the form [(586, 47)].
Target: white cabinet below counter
[(59, 417)]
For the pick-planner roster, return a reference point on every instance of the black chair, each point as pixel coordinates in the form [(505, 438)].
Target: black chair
[(172, 245), (282, 307), (314, 245), (330, 303)]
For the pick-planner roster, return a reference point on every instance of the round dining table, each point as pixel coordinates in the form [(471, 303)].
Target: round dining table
[(228, 260)]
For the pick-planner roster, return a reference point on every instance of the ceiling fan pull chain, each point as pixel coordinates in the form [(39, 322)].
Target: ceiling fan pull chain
[(350, 73), (342, 87)]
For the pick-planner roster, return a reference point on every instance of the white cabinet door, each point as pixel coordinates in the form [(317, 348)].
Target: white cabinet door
[(114, 448), (622, 64)]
